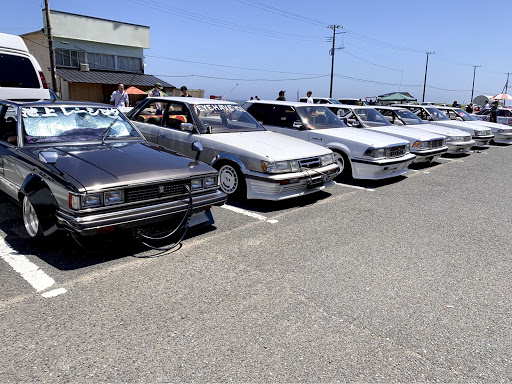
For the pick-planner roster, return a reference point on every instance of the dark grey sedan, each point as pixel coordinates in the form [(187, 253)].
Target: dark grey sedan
[(85, 168)]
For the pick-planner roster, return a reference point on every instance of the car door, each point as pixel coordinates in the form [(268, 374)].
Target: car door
[(148, 120), (285, 120), (176, 114)]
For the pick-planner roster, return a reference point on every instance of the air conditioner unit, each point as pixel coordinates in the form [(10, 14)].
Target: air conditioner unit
[(84, 67)]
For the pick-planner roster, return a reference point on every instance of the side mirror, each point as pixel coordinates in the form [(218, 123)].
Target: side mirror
[(187, 127), (48, 157), (298, 125), (198, 147)]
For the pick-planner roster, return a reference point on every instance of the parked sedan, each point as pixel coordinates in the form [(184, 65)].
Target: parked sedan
[(502, 133), (83, 167), (360, 154), (427, 146), (252, 162), (504, 115), (457, 141), (432, 115)]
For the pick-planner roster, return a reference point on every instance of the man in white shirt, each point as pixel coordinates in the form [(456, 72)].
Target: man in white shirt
[(310, 99), (119, 98)]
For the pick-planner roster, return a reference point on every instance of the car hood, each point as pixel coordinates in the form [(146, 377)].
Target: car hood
[(462, 125), (359, 135), (264, 144), (120, 164), (405, 132), (439, 129), (493, 126)]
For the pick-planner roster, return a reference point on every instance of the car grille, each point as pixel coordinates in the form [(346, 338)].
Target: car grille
[(466, 138), (397, 151), (435, 143), (310, 162), (155, 191)]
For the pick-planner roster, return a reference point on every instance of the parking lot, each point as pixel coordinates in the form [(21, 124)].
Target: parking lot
[(402, 280)]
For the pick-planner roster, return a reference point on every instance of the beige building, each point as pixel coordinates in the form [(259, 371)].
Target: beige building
[(93, 56)]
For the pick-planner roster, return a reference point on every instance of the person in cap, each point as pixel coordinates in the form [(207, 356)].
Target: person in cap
[(310, 99), (281, 96), (184, 92)]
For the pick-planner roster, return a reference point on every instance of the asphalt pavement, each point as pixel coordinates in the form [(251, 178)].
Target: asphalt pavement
[(397, 281)]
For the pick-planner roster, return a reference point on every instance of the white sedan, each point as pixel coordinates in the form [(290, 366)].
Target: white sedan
[(504, 115)]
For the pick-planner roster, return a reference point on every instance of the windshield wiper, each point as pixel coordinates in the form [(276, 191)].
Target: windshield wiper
[(105, 133)]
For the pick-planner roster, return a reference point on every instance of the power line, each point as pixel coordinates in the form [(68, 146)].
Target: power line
[(369, 62)]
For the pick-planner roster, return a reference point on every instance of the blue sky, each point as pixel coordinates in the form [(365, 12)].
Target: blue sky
[(266, 46)]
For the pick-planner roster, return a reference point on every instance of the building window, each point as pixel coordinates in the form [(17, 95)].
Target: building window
[(101, 61), (69, 58), (130, 64)]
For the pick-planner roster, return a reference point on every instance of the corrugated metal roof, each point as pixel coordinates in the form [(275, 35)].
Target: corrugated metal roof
[(109, 77)]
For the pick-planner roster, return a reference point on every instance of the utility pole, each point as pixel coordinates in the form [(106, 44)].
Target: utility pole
[(334, 28), (425, 81), (474, 73), (53, 68), (505, 88)]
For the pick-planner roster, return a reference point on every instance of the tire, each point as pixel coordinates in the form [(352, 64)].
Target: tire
[(31, 221), (232, 181), (344, 164)]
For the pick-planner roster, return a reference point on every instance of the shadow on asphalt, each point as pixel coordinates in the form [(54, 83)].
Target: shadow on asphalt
[(63, 252)]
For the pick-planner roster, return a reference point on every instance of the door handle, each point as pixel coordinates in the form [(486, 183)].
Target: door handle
[(163, 136)]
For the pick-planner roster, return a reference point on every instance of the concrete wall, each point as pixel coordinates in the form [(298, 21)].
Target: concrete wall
[(79, 27)]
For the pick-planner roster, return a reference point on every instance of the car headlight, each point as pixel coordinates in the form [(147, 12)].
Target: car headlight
[(280, 166), (196, 184), (375, 152), (500, 131), (210, 181), (482, 133), (113, 197), (421, 145), (407, 148), (455, 138), (92, 200), (327, 159)]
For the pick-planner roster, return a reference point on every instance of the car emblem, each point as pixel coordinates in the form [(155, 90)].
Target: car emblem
[(161, 189)]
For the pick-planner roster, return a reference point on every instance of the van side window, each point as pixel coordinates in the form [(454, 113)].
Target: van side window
[(17, 72)]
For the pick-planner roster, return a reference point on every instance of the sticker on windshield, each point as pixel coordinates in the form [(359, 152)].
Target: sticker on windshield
[(66, 111), (219, 107)]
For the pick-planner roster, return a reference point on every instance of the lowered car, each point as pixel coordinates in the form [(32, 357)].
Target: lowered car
[(253, 162), (427, 146), (84, 168), (360, 154), (457, 141), (502, 133), (432, 115)]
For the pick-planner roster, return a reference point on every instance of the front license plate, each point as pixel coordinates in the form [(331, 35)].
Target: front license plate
[(315, 184)]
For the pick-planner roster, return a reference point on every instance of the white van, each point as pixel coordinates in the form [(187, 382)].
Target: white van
[(21, 77)]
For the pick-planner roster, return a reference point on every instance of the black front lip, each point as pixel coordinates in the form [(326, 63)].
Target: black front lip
[(134, 217), (382, 164)]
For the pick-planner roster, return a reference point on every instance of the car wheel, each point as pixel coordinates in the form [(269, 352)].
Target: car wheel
[(344, 164), (231, 181), (31, 221)]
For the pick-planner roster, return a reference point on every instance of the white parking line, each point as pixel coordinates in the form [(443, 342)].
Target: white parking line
[(355, 187), (36, 277), (249, 213)]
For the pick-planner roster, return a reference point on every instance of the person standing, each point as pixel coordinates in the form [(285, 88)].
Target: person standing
[(310, 99), (281, 96), (156, 92), (486, 106), (469, 108), (119, 97), (184, 92), (455, 104), (256, 97), (493, 116)]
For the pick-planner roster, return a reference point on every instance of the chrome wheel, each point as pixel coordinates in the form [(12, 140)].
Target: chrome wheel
[(228, 179), (340, 161), (30, 219)]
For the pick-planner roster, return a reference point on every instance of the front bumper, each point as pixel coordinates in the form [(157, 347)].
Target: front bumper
[(459, 147), (482, 140), (429, 156), (381, 169), (289, 185), (503, 138), (90, 224)]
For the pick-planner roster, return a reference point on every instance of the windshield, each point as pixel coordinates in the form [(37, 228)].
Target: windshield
[(464, 115), (319, 117), (370, 117), (71, 124), (437, 114), (408, 117), (225, 118)]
